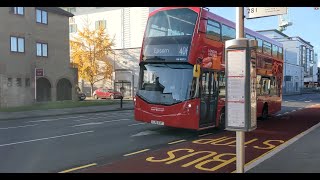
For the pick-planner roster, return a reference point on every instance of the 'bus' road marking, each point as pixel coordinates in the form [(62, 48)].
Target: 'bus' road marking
[(53, 137), (137, 152), (46, 120), (136, 124), (96, 123), (204, 134), (77, 168), (175, 142), (19, 126)]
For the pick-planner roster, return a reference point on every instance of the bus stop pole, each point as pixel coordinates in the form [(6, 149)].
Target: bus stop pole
[(240, 136)]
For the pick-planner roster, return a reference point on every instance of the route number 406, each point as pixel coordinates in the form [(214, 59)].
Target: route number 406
[(252, 10)]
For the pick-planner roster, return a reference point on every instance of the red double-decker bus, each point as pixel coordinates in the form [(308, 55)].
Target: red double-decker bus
[(176, 40)]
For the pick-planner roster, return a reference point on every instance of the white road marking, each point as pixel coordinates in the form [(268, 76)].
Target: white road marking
[(117, 120), (308, 101), (136, 124), (293, 110), (286, 113), (89, 118), (205, 134), (279, 115), (97, 123), (47, 120), (145, 133), (19, 126), (53, 137), (87, 124)]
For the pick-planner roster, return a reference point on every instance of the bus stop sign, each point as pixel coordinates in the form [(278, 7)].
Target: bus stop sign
[(241, 85)]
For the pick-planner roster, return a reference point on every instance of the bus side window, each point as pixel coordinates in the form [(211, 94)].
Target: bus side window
[(259, 45), (228, 33), (213, 30), (266, 86)]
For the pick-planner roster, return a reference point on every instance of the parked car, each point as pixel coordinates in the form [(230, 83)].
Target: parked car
[(106, 93)]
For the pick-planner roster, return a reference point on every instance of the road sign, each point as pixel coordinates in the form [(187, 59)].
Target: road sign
[(39, 72), (257, 12)]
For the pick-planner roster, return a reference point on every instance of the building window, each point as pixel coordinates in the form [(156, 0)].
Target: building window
[(19, 82), (42, 49), (27, 82), (9, 83), (42, 16), (16, 44), (101, 24), (17, 10), (72, 20), (73, 28), (72, 9)]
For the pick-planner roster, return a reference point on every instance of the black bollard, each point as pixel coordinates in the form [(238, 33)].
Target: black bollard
[(121, 102)]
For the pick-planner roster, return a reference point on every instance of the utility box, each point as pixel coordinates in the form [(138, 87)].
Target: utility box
[(241, 100)]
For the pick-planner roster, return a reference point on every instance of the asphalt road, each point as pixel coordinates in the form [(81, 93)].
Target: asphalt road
[(55, 144)]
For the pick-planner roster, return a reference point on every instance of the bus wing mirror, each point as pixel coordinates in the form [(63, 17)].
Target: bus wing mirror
[(196, 70)]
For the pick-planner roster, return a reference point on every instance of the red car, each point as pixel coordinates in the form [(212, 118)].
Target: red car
[(106, 93)]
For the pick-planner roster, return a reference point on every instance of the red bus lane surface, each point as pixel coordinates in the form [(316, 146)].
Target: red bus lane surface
[(217, 153)]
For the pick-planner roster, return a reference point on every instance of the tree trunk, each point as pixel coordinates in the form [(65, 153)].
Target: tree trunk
[(91, 89)]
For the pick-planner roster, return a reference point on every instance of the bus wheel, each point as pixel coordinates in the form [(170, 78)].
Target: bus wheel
[(222, 122), (265, 112)]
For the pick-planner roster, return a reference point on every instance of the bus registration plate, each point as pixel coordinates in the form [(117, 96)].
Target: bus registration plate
[(157, 122)]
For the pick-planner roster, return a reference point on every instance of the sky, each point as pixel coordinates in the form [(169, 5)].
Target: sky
[(306, 23)]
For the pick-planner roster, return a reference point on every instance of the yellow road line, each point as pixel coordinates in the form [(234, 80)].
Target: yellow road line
[(77, 168), (136, 152), (174, 142), (204, 134)]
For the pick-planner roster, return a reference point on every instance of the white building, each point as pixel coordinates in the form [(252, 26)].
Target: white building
[(299, 65), (126, 26)]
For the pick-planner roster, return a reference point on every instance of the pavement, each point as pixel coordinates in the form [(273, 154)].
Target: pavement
[(65, 111)]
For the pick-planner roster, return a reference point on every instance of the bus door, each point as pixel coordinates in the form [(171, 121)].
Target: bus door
[(208, 99)]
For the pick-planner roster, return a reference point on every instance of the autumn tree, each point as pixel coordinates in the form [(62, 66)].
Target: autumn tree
[(89, 49)]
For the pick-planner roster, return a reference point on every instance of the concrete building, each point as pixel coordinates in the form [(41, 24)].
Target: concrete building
[(299, 61), (35, 37), (126, 26)]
